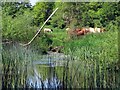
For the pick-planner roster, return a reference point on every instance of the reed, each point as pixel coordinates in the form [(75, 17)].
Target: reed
[(15, 60)]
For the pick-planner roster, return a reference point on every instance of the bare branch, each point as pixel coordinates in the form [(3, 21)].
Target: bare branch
[(39, 29)]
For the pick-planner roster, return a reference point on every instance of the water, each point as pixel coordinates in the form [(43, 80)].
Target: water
[(36, 81), (23, 68), (49, 62)]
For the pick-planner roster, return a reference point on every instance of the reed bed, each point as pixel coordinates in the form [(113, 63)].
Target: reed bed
[(15, 61), (83, 69), (91, 68)]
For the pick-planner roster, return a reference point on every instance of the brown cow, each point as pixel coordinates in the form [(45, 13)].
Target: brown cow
[(77, 31), (82, 31)]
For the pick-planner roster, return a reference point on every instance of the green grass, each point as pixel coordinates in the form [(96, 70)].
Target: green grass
[(94, 43), (94, 53), (58, 37)]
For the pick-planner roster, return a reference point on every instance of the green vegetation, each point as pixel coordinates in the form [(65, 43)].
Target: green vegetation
[(20, 23), (16, 62), (94, 58), (14, 75)]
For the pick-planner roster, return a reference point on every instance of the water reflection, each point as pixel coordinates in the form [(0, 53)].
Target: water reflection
[(52, 81)]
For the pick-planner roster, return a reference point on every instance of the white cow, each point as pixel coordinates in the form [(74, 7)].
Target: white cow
[(48, 30), (92, 30), (67, 29), (98, 30)]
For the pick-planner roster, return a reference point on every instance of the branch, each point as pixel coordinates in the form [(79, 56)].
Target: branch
[(39, 29)]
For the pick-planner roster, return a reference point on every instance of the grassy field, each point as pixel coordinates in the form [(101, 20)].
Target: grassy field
[(91, 44), (102, 46)]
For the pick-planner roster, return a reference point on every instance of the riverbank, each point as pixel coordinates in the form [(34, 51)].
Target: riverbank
[(94, 43), (91, 63)]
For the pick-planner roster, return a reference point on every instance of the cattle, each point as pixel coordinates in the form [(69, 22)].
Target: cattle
[(67, 29), (83, 31), (91, 30), (94, 30), (77, 31), (98, 30), (80, 31), (48, 30), (86, 30)]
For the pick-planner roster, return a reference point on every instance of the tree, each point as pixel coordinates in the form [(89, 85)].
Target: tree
[(68, 15), (57, 19), (17, 21), (42, 10), (15, 8)]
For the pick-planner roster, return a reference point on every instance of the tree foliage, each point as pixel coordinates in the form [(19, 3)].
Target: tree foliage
[(20, 18), (42, 10)]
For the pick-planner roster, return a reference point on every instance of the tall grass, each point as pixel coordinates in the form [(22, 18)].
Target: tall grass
[(93, 61), (90, 70), (15, 60)]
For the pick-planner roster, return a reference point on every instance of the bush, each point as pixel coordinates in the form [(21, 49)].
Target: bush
[(112, 26), (19, 28)]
